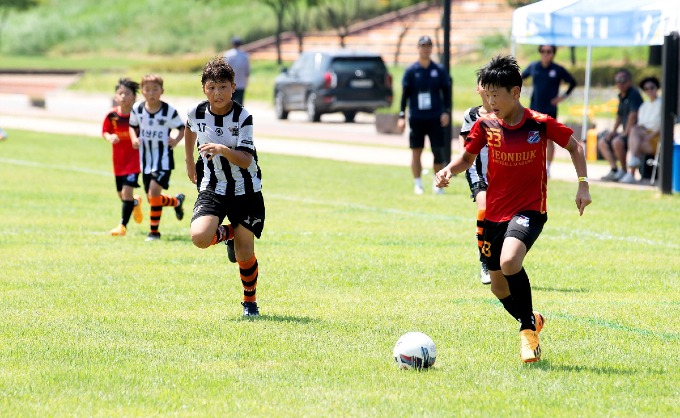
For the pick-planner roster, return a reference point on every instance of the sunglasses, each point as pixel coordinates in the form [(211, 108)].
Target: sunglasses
[(648, 88), (546, 51), (620, 80)]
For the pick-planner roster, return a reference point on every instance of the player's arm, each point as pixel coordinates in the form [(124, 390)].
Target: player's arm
[(174, 141), (458, 165), (189, 144), (578, 158)]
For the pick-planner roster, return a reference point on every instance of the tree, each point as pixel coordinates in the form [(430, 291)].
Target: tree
[(279, 7), (340, 15), (7, 5), (299, 18)]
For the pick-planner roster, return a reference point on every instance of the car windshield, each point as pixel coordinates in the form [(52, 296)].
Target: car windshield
[(345, 65)]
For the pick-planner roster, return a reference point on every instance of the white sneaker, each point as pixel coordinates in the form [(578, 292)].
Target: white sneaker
[(418, 189), (437, 190), (628, 179), (484, 274), (633, 161), (619, 175)]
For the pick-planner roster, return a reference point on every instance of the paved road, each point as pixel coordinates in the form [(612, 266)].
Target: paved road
[(71, 113)]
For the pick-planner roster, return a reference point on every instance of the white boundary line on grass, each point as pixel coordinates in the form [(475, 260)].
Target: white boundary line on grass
[(594, 235)]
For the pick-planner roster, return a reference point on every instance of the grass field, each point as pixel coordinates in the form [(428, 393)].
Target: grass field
[(92, 325)]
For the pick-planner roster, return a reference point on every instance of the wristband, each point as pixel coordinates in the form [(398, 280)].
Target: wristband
[(402, 114), (584, 179)]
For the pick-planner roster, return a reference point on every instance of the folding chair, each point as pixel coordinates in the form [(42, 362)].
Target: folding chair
[(654, 163)]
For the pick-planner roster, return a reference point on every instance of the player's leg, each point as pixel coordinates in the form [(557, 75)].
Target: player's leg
[(492, 246), (206, 229), (523, 230), (416, 143), (121, 229), (436, 134), (155, 209), (248, 215)]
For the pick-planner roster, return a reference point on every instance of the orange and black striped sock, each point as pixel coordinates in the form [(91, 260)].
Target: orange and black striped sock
[(224, 232), (248, 271), (480, 229), (155, 212), (169, 200)]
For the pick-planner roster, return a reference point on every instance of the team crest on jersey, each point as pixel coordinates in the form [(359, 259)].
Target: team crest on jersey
[(161, 122), (523, 221), (219, 131), (234, 130), (534, 137)]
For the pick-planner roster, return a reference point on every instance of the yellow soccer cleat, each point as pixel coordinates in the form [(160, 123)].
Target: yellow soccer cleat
[(137, 210), (119, 231), (530, 347)]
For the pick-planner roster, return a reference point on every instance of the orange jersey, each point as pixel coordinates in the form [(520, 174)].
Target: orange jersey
[(125, 158), (517, 155)]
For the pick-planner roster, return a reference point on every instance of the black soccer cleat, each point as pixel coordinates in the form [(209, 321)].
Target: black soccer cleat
[(179, 211), (250, 309), (231, 254)]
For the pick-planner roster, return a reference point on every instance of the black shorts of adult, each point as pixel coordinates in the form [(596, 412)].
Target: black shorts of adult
[(623, 138), (161, 177), (246, 210), (433, 129), (131, 180), (526, 226)]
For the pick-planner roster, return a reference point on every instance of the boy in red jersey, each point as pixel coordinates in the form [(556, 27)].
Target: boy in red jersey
[(116, 130), (517, 185)]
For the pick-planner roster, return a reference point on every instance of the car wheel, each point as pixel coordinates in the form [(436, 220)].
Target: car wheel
[(279, 110), (349, 116), (312, 113)]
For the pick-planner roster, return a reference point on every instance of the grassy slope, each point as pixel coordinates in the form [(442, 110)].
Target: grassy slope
[(350, 259)]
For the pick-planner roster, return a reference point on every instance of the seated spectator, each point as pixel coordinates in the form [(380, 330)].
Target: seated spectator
[(613, 146), (644, 136)]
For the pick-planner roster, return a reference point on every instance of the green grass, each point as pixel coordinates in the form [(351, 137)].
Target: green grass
[(92, 325)]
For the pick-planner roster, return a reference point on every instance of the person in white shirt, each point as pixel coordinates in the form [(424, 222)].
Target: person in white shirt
[(644, 137), (240, 62)]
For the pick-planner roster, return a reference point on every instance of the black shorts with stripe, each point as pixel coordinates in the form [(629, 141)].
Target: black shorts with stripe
[(526, 226), (246, 210), (127, 180), (162, 177)]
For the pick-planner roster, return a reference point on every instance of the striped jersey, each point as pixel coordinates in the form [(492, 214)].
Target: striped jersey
[(477, 171), (154, 132), (234, 130), (516, 171)]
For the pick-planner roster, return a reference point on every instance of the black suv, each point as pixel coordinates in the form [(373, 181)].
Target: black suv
[(328, 82)]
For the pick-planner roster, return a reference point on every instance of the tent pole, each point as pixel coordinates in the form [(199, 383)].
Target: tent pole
[(586, 98)]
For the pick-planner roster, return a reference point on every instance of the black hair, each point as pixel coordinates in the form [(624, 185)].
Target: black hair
[(132, 85), (502, 72), (217, 70), (626, 72), (652, 80), (554, 48)]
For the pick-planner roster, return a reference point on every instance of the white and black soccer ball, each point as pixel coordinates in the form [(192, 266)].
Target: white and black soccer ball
[(415, 350)]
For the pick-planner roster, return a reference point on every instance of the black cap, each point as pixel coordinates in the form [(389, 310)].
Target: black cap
[(236, 41), (424, 40)]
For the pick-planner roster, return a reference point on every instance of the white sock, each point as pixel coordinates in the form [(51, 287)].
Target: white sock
[(418, 182)]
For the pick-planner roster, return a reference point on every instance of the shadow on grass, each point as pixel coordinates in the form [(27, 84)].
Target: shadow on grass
[(557, 289), (546, 365), (277, 318)]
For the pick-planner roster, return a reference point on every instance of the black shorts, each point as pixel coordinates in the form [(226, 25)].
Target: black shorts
[(526, 226), (432, 128), (161, 177), (127, 180), (246, 210)]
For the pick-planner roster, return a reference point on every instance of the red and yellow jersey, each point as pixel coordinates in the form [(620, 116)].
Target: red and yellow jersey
[(517, 156), (125, 158)]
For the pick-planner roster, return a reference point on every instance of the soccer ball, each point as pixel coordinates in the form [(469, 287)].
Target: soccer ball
[(415, 350)]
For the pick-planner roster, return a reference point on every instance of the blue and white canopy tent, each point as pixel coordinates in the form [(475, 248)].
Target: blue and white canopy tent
[(593, 23)]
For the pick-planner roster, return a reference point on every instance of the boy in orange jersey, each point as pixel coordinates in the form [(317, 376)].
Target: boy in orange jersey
[(151, 124), (116, 130), (517, 189)]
